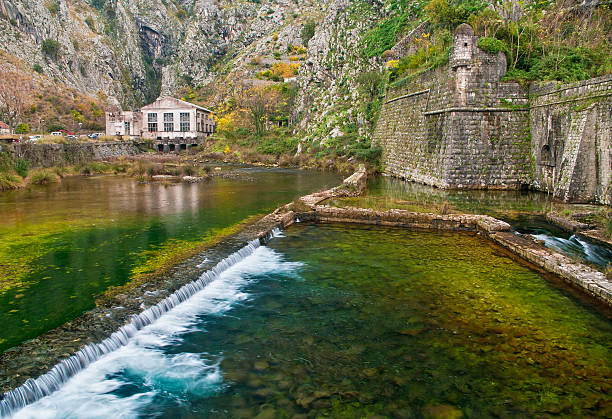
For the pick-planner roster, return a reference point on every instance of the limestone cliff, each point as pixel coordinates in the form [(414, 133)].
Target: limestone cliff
[(130, 50)]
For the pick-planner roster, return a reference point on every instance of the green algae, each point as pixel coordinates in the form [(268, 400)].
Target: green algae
[(391, 323), (63, 245), (21, 246), (159, 259)]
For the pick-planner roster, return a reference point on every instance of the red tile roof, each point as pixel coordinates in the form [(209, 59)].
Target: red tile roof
[(3, 125)]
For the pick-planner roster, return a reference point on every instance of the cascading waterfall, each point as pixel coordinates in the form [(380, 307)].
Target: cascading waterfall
[(35, 389)]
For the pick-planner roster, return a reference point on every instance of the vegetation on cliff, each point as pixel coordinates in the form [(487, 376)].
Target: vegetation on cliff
[(544, 40)]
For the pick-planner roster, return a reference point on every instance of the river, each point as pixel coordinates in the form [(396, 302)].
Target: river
[(347, 322), (62, 245)]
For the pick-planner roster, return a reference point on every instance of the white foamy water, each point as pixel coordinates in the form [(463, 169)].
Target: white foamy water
[(143, 371), (578, 248)]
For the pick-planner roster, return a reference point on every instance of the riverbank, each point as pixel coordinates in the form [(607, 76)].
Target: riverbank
[(117, 309), (66, 243)]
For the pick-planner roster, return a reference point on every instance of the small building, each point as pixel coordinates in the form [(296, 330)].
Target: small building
[(124, 123), (166, 119), (4, 129)]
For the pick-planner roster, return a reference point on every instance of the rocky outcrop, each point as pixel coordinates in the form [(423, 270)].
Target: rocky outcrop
[(329, 97), (131, 50)]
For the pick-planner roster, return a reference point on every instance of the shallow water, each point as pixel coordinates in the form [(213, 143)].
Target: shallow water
[(524, 210), (61, 245), (342, 322), (495, 203)]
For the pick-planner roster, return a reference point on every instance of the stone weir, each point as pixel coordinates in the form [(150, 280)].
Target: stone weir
[(460, 126), (69, 348)]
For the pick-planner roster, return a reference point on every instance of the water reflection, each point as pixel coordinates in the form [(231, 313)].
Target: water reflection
[(524, 210), (61, 245)]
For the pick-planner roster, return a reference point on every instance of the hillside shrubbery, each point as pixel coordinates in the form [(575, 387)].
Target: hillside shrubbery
[(544, 40)]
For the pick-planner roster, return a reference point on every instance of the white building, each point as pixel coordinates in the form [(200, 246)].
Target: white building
[(165, 119), (4, 129)]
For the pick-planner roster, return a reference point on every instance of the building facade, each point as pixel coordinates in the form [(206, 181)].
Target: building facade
[(4, 128), (166, 119), (124, 123)]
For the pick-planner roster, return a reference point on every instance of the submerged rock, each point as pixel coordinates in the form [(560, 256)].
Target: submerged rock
[(442, 411), (261, 365)]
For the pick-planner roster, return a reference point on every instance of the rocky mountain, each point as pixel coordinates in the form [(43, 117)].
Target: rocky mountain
[(130, 50)]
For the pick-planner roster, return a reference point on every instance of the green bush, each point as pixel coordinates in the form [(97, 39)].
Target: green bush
[(22, 129), (277, 145), (189, 171), (8, 181), (55, 126), (50, 47), (90, 22), (450, 14), (6, 162), (383, 36), (22, 167), (365, 151), (567, 66), (308, 32), (44, 177), (53, 7), (492, 45), (38, 68)]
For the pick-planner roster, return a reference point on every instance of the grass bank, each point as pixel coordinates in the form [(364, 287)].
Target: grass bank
[(157, 262), (278, 147)]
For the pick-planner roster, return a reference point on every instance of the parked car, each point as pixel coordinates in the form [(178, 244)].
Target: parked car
[(66, 132), (94, 135), (33, 138), (57, 133), (72, 137)]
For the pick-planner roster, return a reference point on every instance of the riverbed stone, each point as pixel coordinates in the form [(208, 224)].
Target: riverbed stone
[(442, 411)]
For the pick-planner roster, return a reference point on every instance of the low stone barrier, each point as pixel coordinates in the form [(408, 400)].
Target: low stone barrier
[(46, 155), (402, 218), (589, 280)]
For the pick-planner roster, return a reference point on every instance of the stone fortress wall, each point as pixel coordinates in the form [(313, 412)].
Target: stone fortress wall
[(570, 129), (47, 155), (459, 126)]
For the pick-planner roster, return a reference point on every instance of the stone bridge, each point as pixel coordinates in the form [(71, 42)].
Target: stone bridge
[(175, 145)]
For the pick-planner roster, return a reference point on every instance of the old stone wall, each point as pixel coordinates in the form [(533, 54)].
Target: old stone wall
[(459, 126), (570, 129), (46, 155)]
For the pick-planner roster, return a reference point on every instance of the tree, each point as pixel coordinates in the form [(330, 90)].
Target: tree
[(51, 48), (261, 102), (22, 129), (308, 32), (14, 96), (369, 83)]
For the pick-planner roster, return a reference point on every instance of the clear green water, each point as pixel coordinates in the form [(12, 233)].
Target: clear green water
[(524, 210), (355, 322), (61, 245), (385, 192)]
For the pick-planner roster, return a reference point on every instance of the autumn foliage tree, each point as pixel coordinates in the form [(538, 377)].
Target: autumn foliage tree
[(14, 96), (261, 102)]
